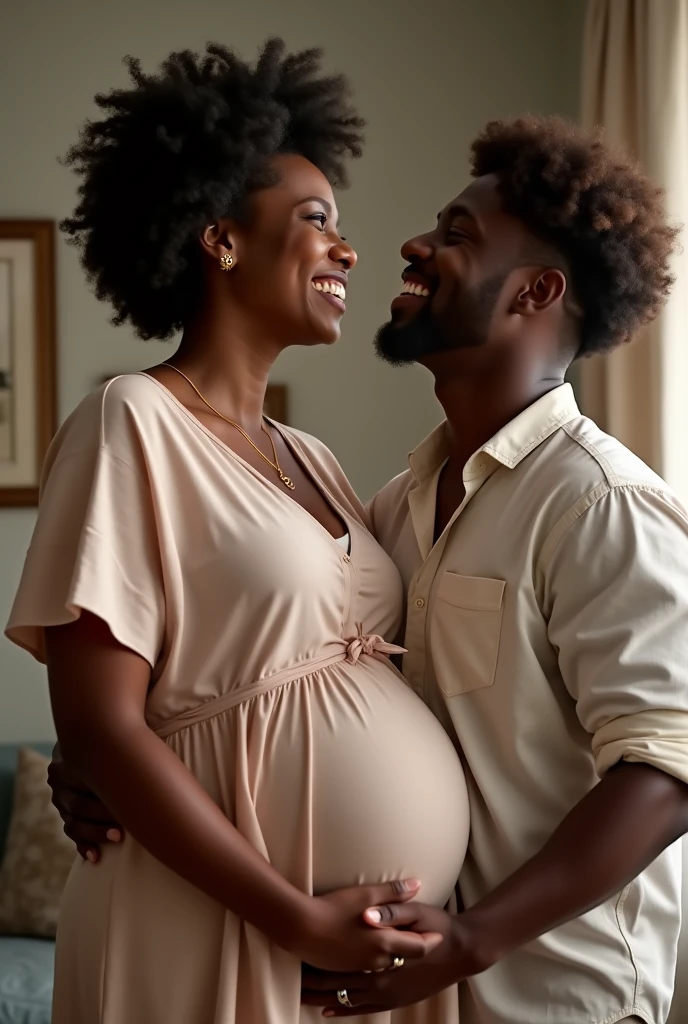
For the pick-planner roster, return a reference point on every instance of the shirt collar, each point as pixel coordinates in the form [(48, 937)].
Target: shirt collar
[(509, 445)]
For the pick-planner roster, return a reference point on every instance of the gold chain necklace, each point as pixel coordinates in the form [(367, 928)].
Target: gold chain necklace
[(287, 481)]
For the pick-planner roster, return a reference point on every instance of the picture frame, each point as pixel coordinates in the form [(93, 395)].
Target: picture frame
[(27, 356)]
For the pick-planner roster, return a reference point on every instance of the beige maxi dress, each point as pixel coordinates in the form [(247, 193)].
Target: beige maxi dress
[(270, 683)]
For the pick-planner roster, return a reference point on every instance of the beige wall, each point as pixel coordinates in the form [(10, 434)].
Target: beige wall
[(427, 76)]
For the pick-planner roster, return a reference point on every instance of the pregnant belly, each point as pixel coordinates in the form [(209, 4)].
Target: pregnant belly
[(381, 789)]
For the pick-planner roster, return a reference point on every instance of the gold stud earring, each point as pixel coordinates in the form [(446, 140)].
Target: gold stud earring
[(226, 261)]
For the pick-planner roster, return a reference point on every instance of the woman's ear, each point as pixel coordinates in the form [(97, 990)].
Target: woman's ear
[(218, 243)]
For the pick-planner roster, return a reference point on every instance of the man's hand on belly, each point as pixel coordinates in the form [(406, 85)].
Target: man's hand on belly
[(455, 958)]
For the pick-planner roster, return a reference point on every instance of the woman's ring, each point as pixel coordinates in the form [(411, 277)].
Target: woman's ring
[(343, 998), (397, 962)]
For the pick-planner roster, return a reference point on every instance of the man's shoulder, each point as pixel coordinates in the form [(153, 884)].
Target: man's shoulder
[(600, 458), (581, 463), (587, 476)]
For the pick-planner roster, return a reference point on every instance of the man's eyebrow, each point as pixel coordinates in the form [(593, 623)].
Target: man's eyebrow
[(457, 210)]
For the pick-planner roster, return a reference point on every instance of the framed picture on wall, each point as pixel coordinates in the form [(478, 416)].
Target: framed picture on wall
[(276, 399), (27, 356)]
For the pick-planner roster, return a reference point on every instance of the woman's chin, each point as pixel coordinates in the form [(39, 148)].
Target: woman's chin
[(313, 331), (327, 334)]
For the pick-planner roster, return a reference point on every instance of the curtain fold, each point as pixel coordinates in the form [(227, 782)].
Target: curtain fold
[(635, 84)]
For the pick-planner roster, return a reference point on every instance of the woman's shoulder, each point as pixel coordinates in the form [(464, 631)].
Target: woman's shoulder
[(316, 451), (114, 417), (308, 442), (129, 397), (328, 468)]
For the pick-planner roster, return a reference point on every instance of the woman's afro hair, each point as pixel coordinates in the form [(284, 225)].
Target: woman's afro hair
[(178, 150)]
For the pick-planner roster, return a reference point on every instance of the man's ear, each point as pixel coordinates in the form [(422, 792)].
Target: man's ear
[(543, 289)]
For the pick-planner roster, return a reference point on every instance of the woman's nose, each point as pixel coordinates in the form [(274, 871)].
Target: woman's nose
[(342, 253)]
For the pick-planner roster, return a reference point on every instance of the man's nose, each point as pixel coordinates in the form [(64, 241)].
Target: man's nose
[(418, 249)]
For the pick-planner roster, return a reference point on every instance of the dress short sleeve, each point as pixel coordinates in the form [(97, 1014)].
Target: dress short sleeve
[(95, 544)]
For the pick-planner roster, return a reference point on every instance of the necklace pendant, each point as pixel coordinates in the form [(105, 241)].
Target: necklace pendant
[(287, 481)]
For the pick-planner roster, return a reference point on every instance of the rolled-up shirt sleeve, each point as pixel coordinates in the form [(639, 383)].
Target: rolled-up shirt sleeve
[(616, 596)]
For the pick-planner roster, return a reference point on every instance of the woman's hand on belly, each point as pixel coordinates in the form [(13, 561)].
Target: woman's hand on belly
[(414, 982), (334, 935)]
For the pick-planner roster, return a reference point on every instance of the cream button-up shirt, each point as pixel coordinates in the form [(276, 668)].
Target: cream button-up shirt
[(548, 630)]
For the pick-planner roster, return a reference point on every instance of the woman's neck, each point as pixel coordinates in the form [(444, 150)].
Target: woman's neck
[(229, 367)]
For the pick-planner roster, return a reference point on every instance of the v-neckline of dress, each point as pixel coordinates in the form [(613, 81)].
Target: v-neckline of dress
[(296, 451)]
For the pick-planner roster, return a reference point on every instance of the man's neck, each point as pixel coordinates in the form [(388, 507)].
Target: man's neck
[(479, 403)]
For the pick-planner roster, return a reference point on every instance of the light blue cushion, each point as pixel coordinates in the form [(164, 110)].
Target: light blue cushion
[(26, 980)]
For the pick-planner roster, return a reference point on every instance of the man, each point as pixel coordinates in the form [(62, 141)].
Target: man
[(547, 574)]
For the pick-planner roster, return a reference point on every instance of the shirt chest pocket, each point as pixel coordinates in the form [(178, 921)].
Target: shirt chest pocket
[(465, 631)]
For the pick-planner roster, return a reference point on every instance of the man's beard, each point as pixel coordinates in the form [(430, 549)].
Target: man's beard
[(425, 336)]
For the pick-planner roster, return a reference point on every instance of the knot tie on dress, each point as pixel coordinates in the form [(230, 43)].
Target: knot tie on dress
[(370, 644)]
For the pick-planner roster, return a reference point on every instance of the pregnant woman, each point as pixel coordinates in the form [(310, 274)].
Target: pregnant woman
[(215, 616)]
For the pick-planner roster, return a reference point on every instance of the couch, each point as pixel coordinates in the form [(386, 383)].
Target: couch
[(26, 964)]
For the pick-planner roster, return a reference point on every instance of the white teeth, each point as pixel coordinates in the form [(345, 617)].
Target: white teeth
[(410, 288), (330, 288)]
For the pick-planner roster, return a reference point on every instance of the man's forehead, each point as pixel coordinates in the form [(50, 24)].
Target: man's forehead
[(480, 197)]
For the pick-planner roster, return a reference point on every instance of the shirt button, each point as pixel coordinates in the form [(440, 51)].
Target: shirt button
[(346, 558), (420, 602)]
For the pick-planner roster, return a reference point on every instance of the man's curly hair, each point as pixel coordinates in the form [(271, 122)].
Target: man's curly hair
[(597, 209), (180, 149)]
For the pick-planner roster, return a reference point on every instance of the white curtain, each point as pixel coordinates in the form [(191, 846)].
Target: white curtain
[(635, 84)]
